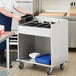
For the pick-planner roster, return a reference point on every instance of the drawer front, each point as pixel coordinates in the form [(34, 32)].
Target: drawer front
[(45, 32)]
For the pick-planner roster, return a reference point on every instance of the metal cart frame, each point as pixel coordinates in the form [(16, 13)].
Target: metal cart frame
[(53, 40), (4, 37)]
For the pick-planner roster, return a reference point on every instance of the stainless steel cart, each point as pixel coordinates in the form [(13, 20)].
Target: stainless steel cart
[(53, 40)]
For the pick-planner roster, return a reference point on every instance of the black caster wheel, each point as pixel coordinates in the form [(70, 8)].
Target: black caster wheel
[(62, 66), (49, 71), (10, 65), (34, 65), (21, 65)]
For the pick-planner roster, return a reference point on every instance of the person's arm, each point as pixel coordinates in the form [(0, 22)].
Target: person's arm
[(21, 10), (9, 14), (5, 12)]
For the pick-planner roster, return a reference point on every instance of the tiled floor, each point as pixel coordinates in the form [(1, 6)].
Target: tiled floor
[(30, 70)]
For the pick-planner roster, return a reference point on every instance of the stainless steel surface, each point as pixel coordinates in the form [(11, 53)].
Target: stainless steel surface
[(32, 6), (71, 18)]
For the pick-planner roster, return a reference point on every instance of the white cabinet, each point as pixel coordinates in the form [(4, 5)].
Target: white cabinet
[(72, 34), (25, 5), (31, 6)]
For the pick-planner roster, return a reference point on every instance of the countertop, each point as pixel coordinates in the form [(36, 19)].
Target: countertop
[(70, 18)]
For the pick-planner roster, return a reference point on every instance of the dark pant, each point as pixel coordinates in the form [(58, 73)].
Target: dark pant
[(6, 21)]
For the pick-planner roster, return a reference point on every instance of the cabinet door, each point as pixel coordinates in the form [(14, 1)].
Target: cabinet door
[(72, 34), (27, 5)]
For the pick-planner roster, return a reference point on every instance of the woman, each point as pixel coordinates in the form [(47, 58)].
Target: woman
[(6, 16)]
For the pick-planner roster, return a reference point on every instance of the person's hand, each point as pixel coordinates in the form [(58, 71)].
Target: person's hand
[(27, 13), (17, 17)]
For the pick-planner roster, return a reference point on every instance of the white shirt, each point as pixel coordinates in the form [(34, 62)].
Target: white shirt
[(8, 4)]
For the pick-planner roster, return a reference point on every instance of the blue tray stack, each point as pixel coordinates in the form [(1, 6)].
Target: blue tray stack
[(44, 59)]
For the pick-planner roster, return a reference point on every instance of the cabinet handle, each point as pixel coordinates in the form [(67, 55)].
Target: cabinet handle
[(24, 2)]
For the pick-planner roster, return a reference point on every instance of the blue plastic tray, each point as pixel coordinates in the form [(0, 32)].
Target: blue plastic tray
[(44, 59)]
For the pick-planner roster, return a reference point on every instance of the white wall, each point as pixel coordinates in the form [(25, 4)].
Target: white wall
[(55, 4)]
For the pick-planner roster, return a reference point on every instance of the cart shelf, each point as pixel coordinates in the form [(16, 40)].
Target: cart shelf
[(32, 61)]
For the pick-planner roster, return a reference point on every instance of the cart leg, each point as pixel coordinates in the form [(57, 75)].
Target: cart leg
[(10, 65), (62, 66), (7, 55), (21, 65), (49, 71)]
